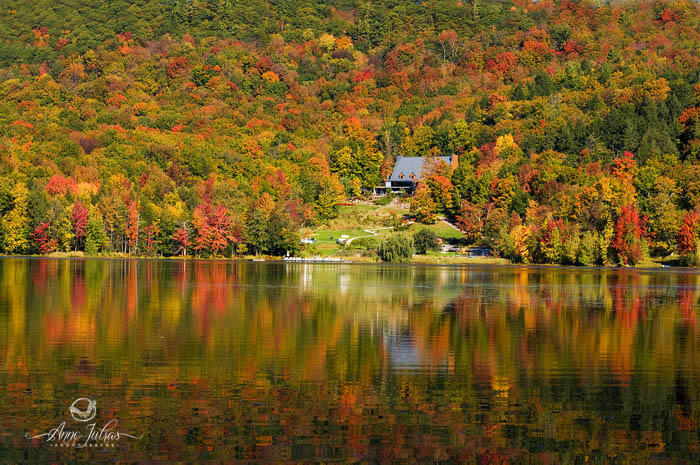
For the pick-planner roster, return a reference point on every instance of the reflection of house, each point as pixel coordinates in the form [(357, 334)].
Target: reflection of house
[(408, 172), (403, 351), (406, 355)]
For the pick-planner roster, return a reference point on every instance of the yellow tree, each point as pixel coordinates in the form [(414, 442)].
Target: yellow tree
[(15, 224), (422, 205)]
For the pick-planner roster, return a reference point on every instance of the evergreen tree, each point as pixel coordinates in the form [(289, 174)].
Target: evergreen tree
[(95, 235), (257, 231)]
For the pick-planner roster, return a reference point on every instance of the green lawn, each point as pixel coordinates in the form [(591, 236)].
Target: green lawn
[(441, 230), (360, 208), (327, 246), (325, 235), (354, 220)]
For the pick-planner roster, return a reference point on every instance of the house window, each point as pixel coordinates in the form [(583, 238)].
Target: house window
[(400, 175)]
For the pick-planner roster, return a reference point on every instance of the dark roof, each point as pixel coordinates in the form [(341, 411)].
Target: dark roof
[(408, 165)]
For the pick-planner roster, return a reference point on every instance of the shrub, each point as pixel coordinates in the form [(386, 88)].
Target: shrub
[(397, 247), (364, 243), (425, 240), (385, 199)]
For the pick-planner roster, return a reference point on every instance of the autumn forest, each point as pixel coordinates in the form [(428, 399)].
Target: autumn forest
[(224, 127)]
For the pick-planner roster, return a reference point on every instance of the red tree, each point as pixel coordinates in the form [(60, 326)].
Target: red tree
[(668, 15), (624, 167), (629, 232), (79, 217), (41, 238), (176, 66), (687, 234), (221, 233), (59, 185), (214, 228), (471, 219), (182, 238), (132, 229)]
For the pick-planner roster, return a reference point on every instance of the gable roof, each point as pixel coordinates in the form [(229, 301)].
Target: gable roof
[(408, 165)]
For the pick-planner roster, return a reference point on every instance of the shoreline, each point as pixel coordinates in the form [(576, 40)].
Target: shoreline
[(455, 262)]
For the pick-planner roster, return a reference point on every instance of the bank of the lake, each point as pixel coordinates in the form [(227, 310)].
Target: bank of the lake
[(429, 259)]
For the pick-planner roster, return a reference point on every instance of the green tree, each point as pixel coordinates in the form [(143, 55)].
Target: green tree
[(65, 230), (588, 250), (396, 247), (418, 144), (95, 237), (327, 202), (282, 237), (462, 137), (257, 231), (425, 240)]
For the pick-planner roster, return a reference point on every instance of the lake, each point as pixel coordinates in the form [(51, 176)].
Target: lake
[(241, 362)]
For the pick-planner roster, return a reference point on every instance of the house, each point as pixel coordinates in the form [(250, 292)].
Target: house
[(408, 172)]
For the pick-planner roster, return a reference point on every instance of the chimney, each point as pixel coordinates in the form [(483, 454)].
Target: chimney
[(454, 161)]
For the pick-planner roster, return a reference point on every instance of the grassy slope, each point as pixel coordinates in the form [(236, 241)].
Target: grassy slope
[(355, 220), (441, 230)]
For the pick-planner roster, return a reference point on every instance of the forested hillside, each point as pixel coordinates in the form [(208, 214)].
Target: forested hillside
[(222, 127)]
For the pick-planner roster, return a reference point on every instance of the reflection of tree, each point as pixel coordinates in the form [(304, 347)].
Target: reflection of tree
[(269, 360)]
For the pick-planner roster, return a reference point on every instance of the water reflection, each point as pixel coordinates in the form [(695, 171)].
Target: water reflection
[(266, 362)]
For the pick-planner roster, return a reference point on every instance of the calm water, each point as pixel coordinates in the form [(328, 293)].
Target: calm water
[(226, 362)]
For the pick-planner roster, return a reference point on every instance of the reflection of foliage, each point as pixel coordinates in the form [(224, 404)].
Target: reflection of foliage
[(367, 349)]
